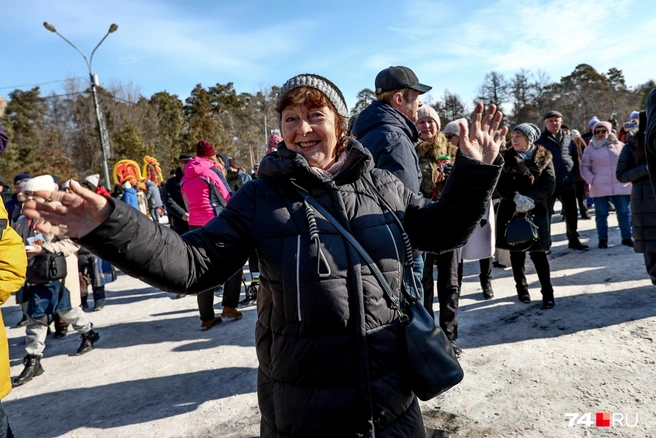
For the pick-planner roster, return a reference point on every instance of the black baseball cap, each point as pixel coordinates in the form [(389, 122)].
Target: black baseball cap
[(397, 78), (185, 157)]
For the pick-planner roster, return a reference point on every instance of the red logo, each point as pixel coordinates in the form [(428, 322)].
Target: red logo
[(603, 419)]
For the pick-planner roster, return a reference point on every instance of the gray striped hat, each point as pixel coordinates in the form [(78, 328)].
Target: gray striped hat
[(317, 82)]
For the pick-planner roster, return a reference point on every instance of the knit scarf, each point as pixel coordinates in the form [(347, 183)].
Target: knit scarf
[(334, 169), (596, 143), (527, 154)]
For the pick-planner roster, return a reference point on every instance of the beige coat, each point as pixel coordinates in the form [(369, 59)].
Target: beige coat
[(69, 250)]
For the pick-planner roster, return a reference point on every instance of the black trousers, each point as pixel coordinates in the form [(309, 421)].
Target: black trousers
[(566, 193), (231, 291), (541, 263), (485, 276), (580, 198), (448, 291)]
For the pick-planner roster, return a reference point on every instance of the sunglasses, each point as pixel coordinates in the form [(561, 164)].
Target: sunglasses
[(449, 136), (601, 131)]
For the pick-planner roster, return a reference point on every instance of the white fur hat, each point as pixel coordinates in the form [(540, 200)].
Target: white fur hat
[(454, 127), (43, 182), (93, 179)]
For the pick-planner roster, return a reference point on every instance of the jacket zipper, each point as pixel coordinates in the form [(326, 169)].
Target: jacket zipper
[(298, 275)]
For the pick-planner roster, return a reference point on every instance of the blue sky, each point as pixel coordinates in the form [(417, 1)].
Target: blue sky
[(174, 45)]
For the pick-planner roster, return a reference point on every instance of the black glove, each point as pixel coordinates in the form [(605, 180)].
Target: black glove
[(446, 170), (483, 222)]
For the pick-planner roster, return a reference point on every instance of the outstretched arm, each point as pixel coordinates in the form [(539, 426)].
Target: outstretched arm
[(143, 249)]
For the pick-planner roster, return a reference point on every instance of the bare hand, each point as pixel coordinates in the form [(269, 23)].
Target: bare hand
[(36, 250), (185, 217), (80, 211), (483, 142)]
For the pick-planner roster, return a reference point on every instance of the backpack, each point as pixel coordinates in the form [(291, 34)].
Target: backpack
[(217, 201)]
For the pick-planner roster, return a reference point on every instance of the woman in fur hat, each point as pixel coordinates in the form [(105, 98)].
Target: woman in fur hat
[(527, 180)]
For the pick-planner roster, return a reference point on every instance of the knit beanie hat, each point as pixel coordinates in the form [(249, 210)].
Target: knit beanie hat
[(319, 83), (43, 182), (126, 185), (529, 130), (593, 121), (634, 115), (205, 149), (454, 127), (606, 125), (429, 111), (94, 179), (21, 177), (576, 133)]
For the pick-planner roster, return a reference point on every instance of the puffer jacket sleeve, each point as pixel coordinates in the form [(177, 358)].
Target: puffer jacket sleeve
[(13, 260), (200, 260), (450, 222), (627, 168)]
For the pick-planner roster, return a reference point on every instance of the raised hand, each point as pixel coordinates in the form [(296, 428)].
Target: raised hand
[(484, 140), (75, 214)]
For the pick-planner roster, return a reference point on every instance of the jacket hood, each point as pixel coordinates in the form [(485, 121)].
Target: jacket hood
[(130, 190), (197, 166), (284, 165), (379, 113)]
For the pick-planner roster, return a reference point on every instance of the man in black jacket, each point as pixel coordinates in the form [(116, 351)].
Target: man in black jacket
[(387, 129), (172, 194), (562, 149)]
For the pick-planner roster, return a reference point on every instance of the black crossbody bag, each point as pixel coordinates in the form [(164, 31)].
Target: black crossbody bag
[(46, 267), (433, 367)]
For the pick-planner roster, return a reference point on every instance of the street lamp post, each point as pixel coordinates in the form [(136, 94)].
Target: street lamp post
[(104, 147)]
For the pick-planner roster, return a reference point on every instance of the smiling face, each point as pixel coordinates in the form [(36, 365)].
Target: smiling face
[(601, 132), (311, 132), (427, 128)]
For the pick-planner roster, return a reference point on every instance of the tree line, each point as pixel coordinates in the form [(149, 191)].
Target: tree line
[(57, 134)]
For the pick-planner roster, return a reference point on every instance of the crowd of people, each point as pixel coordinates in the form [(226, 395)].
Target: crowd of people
[(330, 345)]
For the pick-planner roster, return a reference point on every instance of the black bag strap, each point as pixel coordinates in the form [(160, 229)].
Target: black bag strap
[(353, 241)]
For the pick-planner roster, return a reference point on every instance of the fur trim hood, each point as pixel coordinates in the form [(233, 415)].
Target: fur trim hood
[(432, 152), (532, 167)]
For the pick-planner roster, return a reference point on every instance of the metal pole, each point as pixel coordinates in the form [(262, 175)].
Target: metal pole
[(103, 151), (104, 147)]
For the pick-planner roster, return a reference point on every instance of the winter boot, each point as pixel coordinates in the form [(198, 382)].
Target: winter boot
[(32, 369), (88, 339), (488, 293)]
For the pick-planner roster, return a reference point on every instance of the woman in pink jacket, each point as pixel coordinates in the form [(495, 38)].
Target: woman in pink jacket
[(598, 166), (205, 196), (202, 189)]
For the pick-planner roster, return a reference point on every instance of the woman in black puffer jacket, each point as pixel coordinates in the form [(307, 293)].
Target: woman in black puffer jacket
[(330, 347), (632, 167)]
